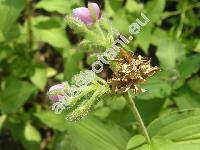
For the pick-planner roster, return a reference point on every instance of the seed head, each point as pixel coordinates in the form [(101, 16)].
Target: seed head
[(130, 70)]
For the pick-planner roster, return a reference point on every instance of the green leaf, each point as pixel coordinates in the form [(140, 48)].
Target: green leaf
[(150, 109), (25, 63), (189, 66), (157, 143), (18, 132), (133, 6), (59, 77), (135, 141), (158, 36), (186, 69), (2, 120), (115, 102), (39, 78), (160, 143), (5, 52), (31, 133), (89, 133), (194, 84), (102, 112), (170, 53), (50, 30), (15, 94), (71, 64), (156, 86), (61, 6), (63, 142), (93, 134), (197, 48), (51, 72), (123, 22), (185, 98), (115, 5), (143, 39), (155, 9), (179, 126), (52, 120), (9, 12), (108, 8), (12, 34), (179, 130)]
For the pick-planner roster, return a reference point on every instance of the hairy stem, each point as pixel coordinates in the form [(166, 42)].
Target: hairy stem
[(100, 31), (137, 116)]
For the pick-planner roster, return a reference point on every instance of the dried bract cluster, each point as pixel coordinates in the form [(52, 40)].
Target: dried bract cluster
[(130, 70)]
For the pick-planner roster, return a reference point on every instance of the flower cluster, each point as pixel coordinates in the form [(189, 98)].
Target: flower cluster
[(65, 91), (86, 88), (79, 97)]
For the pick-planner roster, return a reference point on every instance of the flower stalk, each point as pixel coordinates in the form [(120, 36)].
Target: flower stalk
[(137, 116)]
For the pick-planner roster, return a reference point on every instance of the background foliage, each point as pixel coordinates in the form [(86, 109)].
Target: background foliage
[(37, 50)]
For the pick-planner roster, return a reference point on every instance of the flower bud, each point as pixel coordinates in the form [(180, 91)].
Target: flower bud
[(86, 15), (56, 92)]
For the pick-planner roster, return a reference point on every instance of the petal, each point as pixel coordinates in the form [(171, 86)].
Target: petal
[(57, 87), (56, 98), (97, 9), (82, 14)]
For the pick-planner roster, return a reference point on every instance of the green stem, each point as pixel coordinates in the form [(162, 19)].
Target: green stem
[(180, 28), (100, 30), (137, 116), (29, 24), (177, 12)]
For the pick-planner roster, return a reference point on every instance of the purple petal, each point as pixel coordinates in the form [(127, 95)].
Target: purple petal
[(83, 14), (58, 96), (57, 87), (97, 10)]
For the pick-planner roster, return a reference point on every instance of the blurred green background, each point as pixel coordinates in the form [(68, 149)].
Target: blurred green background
[(38, 50)]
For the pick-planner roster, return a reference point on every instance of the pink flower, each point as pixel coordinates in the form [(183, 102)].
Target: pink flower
[(56, 92), (84, 14)]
